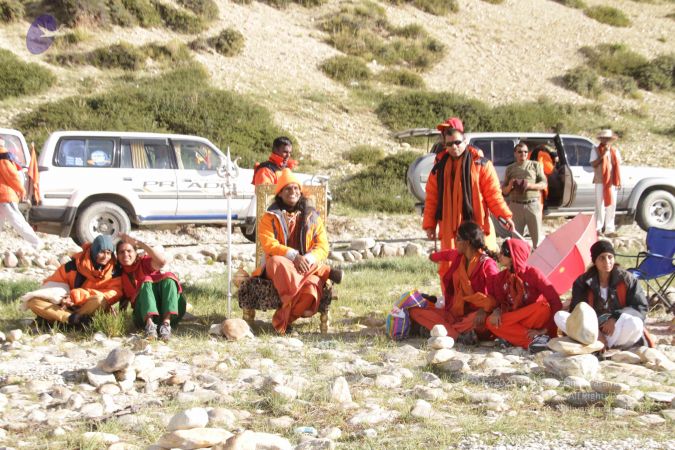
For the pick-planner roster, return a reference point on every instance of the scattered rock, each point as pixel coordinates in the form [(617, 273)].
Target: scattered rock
[(316, 444), (195, 438), (249, 440), (567, 346), (582, 324), (98, 377), (387, 381), (340, 392), (236, 329), (651, 420), (190, 418), (14, 335), (422, 410), (626, 402), (440, 356), (609, 387), (440, 342), (439, 331), (118, 359), (362, 244), (93, 437), (583, 399), (626, 357), (222, 417), (578, 383), (585, 366), (216, 329), (661, 397)]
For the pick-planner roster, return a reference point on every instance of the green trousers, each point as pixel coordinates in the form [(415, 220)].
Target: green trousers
[(158, 299)]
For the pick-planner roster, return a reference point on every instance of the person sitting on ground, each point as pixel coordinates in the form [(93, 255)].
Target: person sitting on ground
[(155, 296), (466, 303), (295, 244), (526, 301), (616, 297), (93, 283)]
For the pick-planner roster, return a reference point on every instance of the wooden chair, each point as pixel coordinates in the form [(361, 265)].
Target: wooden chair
[(258, 293)]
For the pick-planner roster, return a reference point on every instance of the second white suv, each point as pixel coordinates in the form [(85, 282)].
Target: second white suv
[(103, 182)]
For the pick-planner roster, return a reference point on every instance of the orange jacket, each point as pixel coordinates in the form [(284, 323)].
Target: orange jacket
[(273, 236), (11, 188), (487, 198), (106, 282)]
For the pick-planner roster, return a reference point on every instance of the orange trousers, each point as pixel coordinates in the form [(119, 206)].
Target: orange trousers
[(52, 312), (300, 293), (430, 316), (515, 324)]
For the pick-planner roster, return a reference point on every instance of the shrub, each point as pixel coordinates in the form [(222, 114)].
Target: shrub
[(119, 15), (364, 154), (229, 42), (403, 77), (414, 109), (206, 9), (384, 183), (122, 56), (659, 73), (579, 4), (144, 11), (173, 53), (613, 59), (622, 84), (92, 13), (71, 38), (22, 78), (608, 15), (346, 69), (11, 11), (179, 101), (437, 7), (128, 57), (179, 21), (582, 80)]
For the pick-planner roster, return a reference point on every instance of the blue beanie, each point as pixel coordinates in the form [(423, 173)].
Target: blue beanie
[(101, 243)]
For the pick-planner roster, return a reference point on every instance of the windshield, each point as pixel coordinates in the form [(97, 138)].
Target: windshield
[(13, 145)]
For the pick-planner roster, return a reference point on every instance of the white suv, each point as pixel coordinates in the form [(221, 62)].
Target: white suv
[(103, 182)]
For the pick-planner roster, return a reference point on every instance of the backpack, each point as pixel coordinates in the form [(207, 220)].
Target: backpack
[(398, 319)]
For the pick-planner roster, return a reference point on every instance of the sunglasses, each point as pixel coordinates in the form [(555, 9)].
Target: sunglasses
[(458, 143), (521, 151)]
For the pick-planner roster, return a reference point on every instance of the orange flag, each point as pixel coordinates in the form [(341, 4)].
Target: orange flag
[(34, 175)]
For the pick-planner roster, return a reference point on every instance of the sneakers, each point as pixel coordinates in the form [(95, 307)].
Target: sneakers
[(165, 331), (539, 343), (335, 275), (151, 331), (468, 338), (78, 320)]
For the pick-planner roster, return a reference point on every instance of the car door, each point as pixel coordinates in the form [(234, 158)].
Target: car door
[(150, 172), (578, 154), (200, 188)]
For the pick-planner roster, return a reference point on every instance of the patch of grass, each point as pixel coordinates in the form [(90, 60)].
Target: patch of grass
[(608, 15), (207, 9), (413, 109), (228, 42), (111, 325), (384, 182), (11, 11), (658, 74), (346, 69), (144, 11), (623, 85), (87, 13), (583, 80), (364, 154), (494, 2), (284, 3), (437, 7), (180, 101), (578, 4), (22, 78), (402, 77), (71, 38), (120, 15), (128, 57), (612, 59), (362, 29), (179, 21)]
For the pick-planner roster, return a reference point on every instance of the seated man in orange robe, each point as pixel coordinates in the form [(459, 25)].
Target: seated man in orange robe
[(294, 240)]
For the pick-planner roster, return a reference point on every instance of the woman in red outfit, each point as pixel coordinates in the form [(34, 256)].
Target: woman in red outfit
[(465, 286), (526, 300)]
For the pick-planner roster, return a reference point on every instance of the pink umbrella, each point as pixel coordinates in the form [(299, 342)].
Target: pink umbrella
[(565, 253)]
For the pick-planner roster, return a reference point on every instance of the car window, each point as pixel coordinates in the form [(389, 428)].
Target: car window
[(85, 153), (485, 145), (14, 147), (148, 154), (126, 160), (197, 156), (578, 151), (502, 152)]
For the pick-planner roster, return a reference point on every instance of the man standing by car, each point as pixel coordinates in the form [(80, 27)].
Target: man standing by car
[(11, 192), (523, 182), (462, 186), (266, 172), (606, 162)]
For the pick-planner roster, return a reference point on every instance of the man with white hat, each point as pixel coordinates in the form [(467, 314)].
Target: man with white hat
[(606, 162)]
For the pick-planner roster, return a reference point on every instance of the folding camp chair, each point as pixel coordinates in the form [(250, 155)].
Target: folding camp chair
[(655, 267)]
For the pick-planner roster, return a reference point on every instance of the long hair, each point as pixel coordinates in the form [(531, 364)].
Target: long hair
[(472, 233)]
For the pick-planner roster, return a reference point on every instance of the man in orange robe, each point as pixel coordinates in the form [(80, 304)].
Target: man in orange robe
[(462, 186), (267, 172)]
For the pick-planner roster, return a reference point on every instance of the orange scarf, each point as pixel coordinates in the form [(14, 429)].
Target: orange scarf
[(456, 200), (516, 292), (462, 284), (609, 179)]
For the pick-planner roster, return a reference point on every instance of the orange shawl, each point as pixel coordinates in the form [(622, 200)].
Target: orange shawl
[(463, 292), (609, 179)]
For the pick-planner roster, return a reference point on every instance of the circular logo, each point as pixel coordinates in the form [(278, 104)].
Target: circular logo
[(41, 34)]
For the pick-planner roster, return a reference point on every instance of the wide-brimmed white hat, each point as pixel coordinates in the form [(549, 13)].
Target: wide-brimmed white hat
[(606, 134)]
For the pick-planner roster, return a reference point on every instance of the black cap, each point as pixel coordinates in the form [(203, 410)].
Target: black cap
[(601, 247)]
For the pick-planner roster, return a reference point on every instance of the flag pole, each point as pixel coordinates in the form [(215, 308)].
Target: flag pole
[(228, 183)]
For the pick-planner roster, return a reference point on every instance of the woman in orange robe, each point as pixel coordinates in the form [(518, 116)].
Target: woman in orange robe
[(293, 238)]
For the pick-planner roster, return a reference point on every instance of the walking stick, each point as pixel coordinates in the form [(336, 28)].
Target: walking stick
[(229, 171)]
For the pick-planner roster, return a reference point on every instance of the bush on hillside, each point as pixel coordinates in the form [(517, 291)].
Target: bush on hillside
[(173, 53), (579, 4), (128, 57), (123, 56), (145, 12), (608, 15), (364, 154), (120, 15), (228, 42), (582, 80), (179, 21), (284, 3), (613, 59), (207, 9), (623, 85), (437, 7), (179, 101), (22, 78), (346, 69), (494, 2), (384, 184), (402, 77), (414, 109), (659, 73), (11, 11), (87, 13)]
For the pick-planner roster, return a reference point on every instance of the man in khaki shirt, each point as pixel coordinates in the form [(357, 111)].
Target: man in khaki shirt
[(523, 182)]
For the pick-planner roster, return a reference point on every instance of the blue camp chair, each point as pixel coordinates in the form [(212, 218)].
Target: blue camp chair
[(655, 266)]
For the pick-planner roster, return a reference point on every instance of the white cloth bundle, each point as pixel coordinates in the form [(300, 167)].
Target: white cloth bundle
[(51, 291)]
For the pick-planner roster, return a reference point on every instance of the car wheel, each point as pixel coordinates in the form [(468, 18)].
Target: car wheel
[(250, 236), (101, 218), (657, 209)]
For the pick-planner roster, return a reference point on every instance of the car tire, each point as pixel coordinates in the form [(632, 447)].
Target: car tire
[(657, 209), (100, 218), (250, 236)]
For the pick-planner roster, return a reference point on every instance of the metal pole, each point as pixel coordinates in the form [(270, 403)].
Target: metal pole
[(229, 233)]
